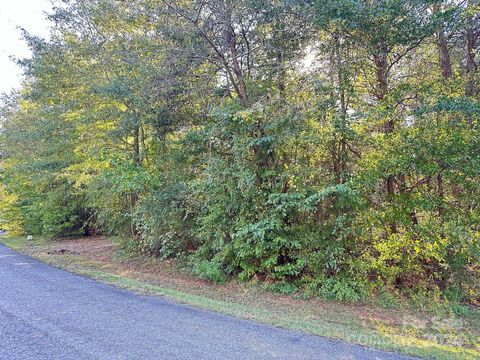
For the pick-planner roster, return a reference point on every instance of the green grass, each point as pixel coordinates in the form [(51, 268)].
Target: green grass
[(408, 341), (21, 244)]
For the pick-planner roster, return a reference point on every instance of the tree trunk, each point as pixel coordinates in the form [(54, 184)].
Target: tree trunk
[(471, 38), (231, 42), (136, 145), (443, 50), (343, 113), (281, 73), (472, 34), (381, 73), (445, 64)]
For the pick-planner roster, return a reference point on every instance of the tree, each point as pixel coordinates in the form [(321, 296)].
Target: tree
[(329, 146)]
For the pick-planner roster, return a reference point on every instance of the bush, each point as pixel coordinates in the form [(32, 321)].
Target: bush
[(344, 289), (209, 270)]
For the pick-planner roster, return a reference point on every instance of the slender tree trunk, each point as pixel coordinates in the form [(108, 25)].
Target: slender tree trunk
[(343, 112), (231, 41), (471, 38), (444, 56), (281, 73), (443, 50), (137, 159), (338, 96), (144, 146), (445, 63), (381, 73), (471, 66), (136, 145)]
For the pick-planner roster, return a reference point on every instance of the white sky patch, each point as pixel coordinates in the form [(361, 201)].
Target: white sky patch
[(308, 62), (29, 14)]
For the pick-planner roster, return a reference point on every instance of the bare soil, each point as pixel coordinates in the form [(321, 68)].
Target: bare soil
[(169, 274)]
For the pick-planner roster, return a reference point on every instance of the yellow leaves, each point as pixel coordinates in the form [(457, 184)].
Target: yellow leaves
[(244, 116), (27, 105), (81, 174), (10, 217), (120, 106), (417, 248), (472, 9), (95, 131), (71, 115)]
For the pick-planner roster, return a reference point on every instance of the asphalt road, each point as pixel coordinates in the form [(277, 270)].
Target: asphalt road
[(47, 313)]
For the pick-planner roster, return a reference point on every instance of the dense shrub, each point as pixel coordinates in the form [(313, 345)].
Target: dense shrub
[(330, 147)]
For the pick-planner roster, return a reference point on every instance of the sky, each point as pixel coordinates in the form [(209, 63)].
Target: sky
[(29, 14)]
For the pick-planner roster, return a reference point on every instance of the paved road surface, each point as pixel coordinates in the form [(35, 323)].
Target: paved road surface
[(47, 313)]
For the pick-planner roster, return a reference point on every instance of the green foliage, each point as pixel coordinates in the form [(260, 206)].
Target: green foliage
[(343, 289), (330, 147), (282, 287), (209, 270), (165, 223)]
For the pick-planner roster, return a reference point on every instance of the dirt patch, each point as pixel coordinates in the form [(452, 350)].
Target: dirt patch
[(93, 248), (105, 254), (62, 252)]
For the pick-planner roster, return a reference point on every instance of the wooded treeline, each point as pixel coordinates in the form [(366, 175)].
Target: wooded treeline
[(328, 145)]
